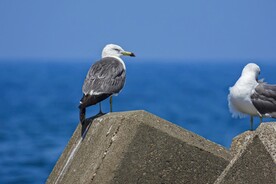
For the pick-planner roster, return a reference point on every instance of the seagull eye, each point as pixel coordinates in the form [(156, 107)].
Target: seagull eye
[(118, 50)]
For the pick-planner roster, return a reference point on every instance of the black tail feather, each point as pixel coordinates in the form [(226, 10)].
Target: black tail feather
[(88, 100), (82, 114)]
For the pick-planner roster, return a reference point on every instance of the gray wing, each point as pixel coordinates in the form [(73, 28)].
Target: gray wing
[(264, 99), (106, 76)]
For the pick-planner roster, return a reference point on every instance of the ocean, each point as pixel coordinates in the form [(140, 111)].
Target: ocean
[(39, 100)]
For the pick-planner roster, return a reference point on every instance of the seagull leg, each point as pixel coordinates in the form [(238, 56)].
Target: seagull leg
[(110, 103), (100, 105), (261, 119), (251, 123)]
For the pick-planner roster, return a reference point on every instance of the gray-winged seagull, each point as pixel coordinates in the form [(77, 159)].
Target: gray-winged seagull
[(104, 78), (252, 97)]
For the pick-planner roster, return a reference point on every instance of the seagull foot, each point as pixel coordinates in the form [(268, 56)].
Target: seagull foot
[(100, 114)]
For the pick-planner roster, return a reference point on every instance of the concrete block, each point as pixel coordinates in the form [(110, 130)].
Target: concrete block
[(138, 147), (240, 141), (256, 161)]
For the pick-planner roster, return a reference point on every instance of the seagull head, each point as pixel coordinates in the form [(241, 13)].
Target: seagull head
[(115, 50), (251, 70)]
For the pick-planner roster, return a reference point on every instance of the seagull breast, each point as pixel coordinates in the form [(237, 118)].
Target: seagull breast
[(239, 98)]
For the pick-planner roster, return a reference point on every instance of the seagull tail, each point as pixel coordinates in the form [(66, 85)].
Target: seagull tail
[(88, 100), (82, 114), (82, 110)]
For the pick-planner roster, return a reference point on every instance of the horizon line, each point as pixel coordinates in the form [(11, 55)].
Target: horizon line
[(177, 60)]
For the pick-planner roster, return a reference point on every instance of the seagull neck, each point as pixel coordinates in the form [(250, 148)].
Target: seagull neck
[(119, 59), (247, 80)]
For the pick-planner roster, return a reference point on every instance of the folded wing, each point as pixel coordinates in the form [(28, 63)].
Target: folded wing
[(264, 99), (104, 78)]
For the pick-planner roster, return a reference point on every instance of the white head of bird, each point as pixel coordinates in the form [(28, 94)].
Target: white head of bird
[(251, 71), (115, 50)]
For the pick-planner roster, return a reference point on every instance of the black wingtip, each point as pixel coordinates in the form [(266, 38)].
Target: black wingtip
[(82, 115)]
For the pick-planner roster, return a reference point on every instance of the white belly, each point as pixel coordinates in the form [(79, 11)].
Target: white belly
[(242, 106)]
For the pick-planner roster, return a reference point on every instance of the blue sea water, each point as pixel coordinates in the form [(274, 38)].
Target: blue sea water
[(39, 99)]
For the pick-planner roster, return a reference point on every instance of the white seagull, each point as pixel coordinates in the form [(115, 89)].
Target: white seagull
[(252, 97), (104, 78)]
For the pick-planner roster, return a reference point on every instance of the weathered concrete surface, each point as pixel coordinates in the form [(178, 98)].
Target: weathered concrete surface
[(240, 141), (256, 161), (138, 147)]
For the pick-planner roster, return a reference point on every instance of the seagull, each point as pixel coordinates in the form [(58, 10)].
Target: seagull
[(249, 96), (104, 79)]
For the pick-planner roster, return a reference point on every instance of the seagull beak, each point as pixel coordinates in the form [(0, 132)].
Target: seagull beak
[(126, 53)]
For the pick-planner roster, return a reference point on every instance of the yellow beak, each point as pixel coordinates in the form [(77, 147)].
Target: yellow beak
[(126, 53)]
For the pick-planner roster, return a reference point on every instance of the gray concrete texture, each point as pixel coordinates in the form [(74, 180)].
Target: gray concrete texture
[(138, 147), (240, 141), (255, 162)]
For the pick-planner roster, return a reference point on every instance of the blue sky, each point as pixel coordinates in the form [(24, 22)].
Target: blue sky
[(197, 29)]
